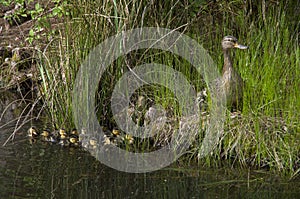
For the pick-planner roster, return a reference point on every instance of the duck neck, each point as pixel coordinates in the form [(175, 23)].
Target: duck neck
[(227, 62)]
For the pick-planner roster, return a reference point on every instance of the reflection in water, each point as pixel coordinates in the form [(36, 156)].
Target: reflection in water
[(42, 170)]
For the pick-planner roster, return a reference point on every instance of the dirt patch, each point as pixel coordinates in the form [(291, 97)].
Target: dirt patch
[(17, 54), (14, 31)]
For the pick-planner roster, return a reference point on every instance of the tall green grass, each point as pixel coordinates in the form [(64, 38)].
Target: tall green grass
[(267, 134)]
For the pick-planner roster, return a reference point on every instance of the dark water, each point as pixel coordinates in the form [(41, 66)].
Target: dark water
[(50, 171), (41, 170)]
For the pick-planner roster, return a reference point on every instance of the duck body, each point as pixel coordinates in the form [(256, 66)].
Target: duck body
[(231, 81), (233, 86)]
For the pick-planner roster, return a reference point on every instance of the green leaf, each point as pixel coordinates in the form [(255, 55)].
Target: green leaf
[(31, 33), (29, 39), (56, 11), (37, 6)]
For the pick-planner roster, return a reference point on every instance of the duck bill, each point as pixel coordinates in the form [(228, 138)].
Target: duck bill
[(240, 46)]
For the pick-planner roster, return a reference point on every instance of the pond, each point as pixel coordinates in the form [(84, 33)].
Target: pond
[(42, 170)]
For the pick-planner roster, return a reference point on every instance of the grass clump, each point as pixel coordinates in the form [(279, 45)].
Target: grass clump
[(267, 132)]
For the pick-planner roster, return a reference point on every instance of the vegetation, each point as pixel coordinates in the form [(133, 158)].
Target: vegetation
[(268, 133), (38, 13)]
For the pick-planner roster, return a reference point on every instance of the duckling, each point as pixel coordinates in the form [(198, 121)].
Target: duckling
[(93, 144), (129, 139), (63, 138), (74, 132), (62, 133), (49, 137), (73, 139), (118, 137), (32, 132), (116, 132), (45, 136), (107, 139)]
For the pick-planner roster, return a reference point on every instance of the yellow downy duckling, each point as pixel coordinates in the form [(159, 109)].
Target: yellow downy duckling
[(107, 139), (116, 132), (129, 139), (63, 138), (73, 139), (49, 137), (45, 136), (62, 133), (32, 132), (118, 137), (93, 143)]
